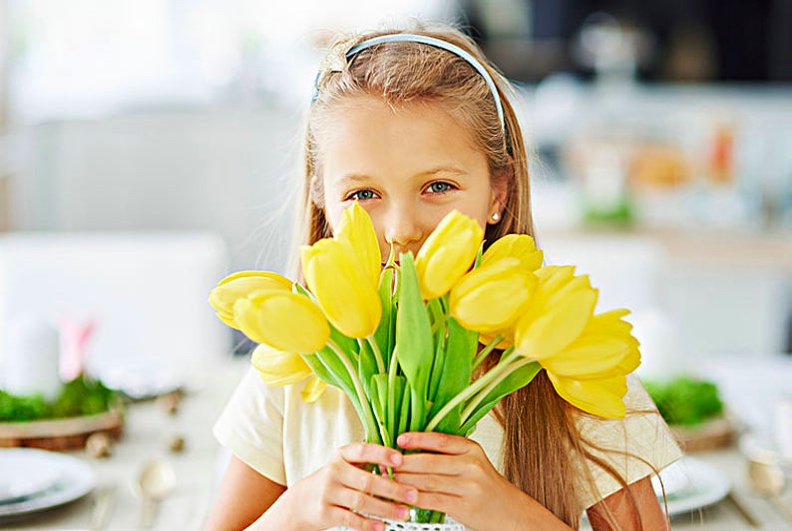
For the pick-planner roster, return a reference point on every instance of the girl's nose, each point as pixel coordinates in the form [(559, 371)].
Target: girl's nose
[(403, 229)]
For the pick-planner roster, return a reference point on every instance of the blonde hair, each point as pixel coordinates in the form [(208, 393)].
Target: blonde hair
[(540, 432)]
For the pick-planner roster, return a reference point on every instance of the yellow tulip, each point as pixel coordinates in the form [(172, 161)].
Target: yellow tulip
[(491, 297), (278, 367), (341, 286), (519, 246), (606, 348), (603, 397), (355, 229), (313, 390), (447, 254), (238, 286), (560, 308), (283, 320)]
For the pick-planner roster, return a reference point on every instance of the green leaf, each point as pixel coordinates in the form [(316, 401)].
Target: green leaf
[(379, 399), (516, 380), (436, 313), (414, 340), (384, 336), (456, 373), (367, 366)]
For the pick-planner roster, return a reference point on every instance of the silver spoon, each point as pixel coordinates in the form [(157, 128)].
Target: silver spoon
[(155, 481), (768, 480)]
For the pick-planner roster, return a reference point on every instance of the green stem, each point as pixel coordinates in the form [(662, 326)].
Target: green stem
[(471, 391), (477, 399), (377, 353), (440, 322), (391, 412), (481, 356), (365, 405)]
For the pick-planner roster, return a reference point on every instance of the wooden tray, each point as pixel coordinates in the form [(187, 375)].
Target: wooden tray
[(60, 434), (709, 435)]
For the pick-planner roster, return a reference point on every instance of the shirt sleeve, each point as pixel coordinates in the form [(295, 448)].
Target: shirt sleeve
[(637, 446), (251, 426)]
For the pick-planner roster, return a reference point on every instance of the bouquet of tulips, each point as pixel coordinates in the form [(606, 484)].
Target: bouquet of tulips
[(406, 342)]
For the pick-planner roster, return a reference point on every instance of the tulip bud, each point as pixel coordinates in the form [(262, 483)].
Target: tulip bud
[(491, 297), (340, 284), (355, 229), (238, 286), (283, 320), (560, 308), (447, 254), (519, 246), (278, 367)]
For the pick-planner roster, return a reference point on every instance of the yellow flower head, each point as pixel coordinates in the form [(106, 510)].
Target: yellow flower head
[(489, 298), (238, 286), (447, 254), (356, 230), (519, 246), (560, 308), (284, 320), (604, 349), (342, 287), (278, 367)]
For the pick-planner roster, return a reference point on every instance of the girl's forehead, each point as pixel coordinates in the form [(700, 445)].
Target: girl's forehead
[(367, 114)]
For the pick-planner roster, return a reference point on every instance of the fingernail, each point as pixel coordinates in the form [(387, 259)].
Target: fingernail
[(402, 440), (395, 459), (403, 513), (412, 496), (379, 526)]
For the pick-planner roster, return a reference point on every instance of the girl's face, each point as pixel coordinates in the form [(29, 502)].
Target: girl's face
[(407, 168)]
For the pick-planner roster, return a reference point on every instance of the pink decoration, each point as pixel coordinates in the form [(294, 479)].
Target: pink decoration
[(73, 336)]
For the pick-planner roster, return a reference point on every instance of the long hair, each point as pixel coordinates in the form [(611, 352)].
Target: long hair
[(540, 433)]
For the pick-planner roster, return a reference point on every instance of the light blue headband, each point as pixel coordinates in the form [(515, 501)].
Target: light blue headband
[(431, 41)]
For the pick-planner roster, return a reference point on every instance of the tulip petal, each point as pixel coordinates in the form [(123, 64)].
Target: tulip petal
[(519, 246), (238, 286), (447, 254), (491, 297), (589, 357), (313, 390), (337, 280), (278, 367), (284, 320), (544, 336), (599, 397), (356, 229)]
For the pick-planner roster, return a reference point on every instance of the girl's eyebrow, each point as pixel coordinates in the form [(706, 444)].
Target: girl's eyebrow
[(361, 178)]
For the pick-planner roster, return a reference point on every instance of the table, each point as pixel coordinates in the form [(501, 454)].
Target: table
[(198, 466), (147, 427)]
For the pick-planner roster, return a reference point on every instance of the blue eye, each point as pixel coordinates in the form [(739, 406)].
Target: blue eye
[(363, 195), (438, 187)]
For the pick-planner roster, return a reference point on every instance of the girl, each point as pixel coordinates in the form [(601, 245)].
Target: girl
[(414, 125)]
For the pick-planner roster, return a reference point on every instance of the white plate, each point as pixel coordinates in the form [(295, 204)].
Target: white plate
[(22, 477), (74, 480), (691, 484)]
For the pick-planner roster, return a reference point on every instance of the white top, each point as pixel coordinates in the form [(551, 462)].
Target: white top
[(274, 432)]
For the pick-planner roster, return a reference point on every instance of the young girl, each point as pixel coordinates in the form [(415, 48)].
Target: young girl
[(414, 125)]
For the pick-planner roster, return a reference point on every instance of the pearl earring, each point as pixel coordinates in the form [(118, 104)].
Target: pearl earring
[(495, 216)]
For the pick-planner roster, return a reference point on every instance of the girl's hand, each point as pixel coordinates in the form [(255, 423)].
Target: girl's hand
[(340, 492), (457, 478)]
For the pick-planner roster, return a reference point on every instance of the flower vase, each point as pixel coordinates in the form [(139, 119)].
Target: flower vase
[(400, 525)]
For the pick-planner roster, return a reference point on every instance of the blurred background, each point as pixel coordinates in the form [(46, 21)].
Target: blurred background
[(148, 147)]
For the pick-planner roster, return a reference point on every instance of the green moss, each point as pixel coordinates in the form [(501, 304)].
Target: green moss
[(685, 401), (79, 397)]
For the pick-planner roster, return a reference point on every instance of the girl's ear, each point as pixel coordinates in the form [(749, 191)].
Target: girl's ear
[(500, 193)]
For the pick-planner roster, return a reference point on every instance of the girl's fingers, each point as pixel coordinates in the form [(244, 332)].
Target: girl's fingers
[(435, 442), (360, 453), (370, 484), (362, 503)]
